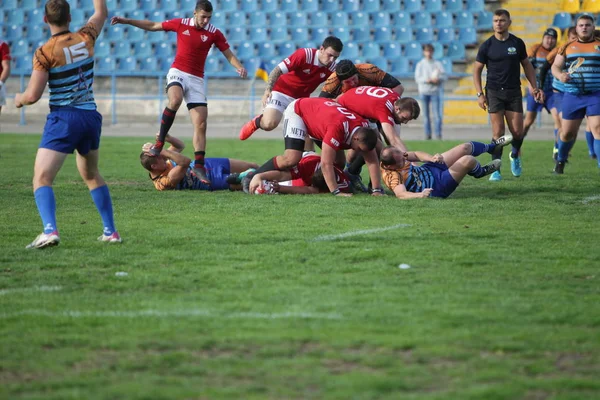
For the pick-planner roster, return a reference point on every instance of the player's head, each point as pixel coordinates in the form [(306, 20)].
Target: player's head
[(501, 20), (364, 139), (346, 72), (406, 109), (549, 38), (57, 12), (156, 164), (585, 27), (318, 181), (202, 13), (571, 34), (392, 158), (428, 51), (330, 50)]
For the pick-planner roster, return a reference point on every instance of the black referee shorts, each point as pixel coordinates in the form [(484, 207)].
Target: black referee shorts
[(504, 100)]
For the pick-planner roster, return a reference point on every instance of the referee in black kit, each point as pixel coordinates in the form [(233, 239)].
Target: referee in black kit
[(503, 54)]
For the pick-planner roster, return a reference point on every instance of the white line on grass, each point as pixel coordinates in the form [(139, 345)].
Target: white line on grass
[(4, 292), (590, 199), (358, 233), (192, 313)]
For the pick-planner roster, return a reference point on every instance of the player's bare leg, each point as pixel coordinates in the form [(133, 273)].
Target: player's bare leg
[(468, 165), (239, 170), (514, 120), (529, 121), (267, 121), (174, 100), (198, 115)]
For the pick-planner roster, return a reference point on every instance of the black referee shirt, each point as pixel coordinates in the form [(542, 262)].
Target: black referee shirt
[(503, 61)]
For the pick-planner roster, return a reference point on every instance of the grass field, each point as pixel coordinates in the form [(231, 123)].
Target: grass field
[(230, 296)]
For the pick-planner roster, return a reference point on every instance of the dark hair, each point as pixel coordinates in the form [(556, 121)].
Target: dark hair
[(147, 160), (427, 47), (57, 12), (387, 156), (318, 181), (572, 30), (204, 5), (585, 16), (333, 42), (367, 136), (501, 11), (345, 69), (408, 103)]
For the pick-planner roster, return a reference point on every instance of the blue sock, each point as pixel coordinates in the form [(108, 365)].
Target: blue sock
[(590, 142), (101, 197), (597, 150), (556, 138), (480, 148), (563, 150), (476, 172), (46, 204)]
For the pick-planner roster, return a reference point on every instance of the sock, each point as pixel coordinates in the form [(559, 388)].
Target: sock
[(563, 150), (480, 148), (356, 165), (46, 204), (556, 138), (590, 142), (477, 172), (101, 197), (168, 116), (257, 121), (497, 154), (199, 157), (597, 150), (516, 147), (270, 165)]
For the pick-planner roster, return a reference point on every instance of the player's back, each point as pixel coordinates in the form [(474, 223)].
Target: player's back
[(371, 102), (68, 57), (414, 178)]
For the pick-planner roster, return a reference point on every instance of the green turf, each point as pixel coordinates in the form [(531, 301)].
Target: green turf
[(229, 296)]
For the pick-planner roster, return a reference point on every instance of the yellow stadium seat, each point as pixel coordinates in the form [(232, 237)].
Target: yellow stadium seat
[(570, 6), (591, 6)]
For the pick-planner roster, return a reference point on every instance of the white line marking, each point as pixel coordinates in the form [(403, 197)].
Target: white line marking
[(358, 233), (4, 292), (590, 199), (192, 313)]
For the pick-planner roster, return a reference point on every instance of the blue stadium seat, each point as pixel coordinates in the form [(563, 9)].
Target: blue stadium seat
[(370, 50), (329, 5), (34, 33), (272, 63), (413, 51), (142, 49), (269, 5), (484, 20), (122, 49), (24, 64), (372, 6), (249, 6), (412, 6), (319, 19), (257, 19), (135, 34), (298, 19), (380, 19), (251, 64), (148, 64), (339, 19), (464, 20), (159, 16), (445, 35), (16, 17), (456, 52), (157, 38), (399, 66), (169, 5), (257, 35), (309, 5), (228, 5), (562, 20), (454, 5), (278, 34), (245, 50), (114, 33), (350, 6), (289, 5), (299, 34), (360, 35), (443, 19), (447, 63), (266, 50), (212, 65), (102, 49), (135, 14), (342, 33), (105, 64), (111, 5), (380, 62), (391, 50), (165, 63), (390, 6), (359, 19), (424, 35), (87, 5), (218, 19), (78, 18), (285, 49), (21, 48), (148, 5), (25, 5), (433, 6), (401, 19), (403, 35), (318, 34), (237, 34), (127, 64), (475, 5), (422, 19), (277, 19), (467, 36), (438, 50), (126, 5), (236, 19), (163, 50), (350, 51), (382, 34), (37, 16)]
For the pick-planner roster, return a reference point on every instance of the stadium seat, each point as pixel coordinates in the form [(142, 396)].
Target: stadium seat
[(298, 19), (126, 6), (257, 35), (34, 33), (438, 50), (218, 19), (350, 6), (148, 5), (114, 33), (399, 66), (467, 36), (475, 5), (127, 64), (163, 50), (16, 17), (422, 19), (318, 34), (390, 50), (484, 20), (350, 51), (251, 65), (342, 33), (157, 38), (288, 6), (87, 5), (122, 48), (390, 6), (319, 19), (148, 64), (413, 51), (447, 64), (444, 19), (21, 48), (105, 65), (102, 49), (160, 16), (329, 5), (445, 35), (77, 17), (339, 19), (266, 50), (24, 64), (257, 19), (135, 34), (165, 63), (236, 19), (277, 19), (361, 35), (382, 35), (37, 16), (285, 49), (169, 5), (412, 6), (237, 34), (456, 52), (370, 50), (245, 50), (111, 5), (272, 63), (278, 34), (404, 35), (309, 5), (562, 20), (424, 35), (464, 20), (454, 5), (228, 5), (569, 6), (212, 65), (142, 49), (401, 19), (380, 19), (25, 5), (380, 62), (249, 6), (591, 6), (299, 34), (359, 19), (269, 5), (433, 6)]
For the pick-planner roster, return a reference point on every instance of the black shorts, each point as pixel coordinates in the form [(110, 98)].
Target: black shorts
[(504, 100)]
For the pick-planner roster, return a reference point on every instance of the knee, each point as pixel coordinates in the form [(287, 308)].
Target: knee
[(268, 124), (42, 178), (468, 162), (466, 148), (175, 103), (289, 160)]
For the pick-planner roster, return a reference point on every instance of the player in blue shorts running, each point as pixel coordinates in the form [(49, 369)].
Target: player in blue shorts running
[(66, 64)]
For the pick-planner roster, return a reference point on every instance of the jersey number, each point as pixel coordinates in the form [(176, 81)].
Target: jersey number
[(378, 92), (75, 53), (342, 110)]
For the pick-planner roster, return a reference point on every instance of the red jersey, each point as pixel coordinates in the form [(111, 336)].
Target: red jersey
[(328, 121), (371, 102), (193, 44), (302, 73), (303, 172), (4, 53)]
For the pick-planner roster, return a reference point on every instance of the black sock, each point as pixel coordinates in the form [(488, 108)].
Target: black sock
[(356, 165), (270, 165), (166, 121), (497, 154), (199, 157), (516, 147), (257, 121)]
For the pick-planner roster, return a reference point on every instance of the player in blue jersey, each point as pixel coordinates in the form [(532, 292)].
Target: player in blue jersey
[(440, 174), (66, 64)]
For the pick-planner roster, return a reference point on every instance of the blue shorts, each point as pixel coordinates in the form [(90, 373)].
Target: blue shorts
[(557, 99), (68, 129), (577, 106), (218, 169), (443, 183), (532, 106)]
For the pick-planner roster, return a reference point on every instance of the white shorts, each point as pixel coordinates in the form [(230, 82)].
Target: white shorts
[(3, 95), (279, 101), (193, 87), (293, 126)]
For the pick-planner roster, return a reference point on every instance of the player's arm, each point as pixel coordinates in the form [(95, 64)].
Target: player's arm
[(414, 156), (477, 70), (176, 144), (138, 23), (401, 193), (275, 175), (99, 16), (273, 77), (297, 189), (235, 62), (372, 162), (530, 75), (178, 172), (328, 155), (35, 89), (388, 81), (544, 72), (558, 68), (392, 136)]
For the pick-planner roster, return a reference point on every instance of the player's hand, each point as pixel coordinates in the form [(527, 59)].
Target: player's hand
[(482, 102), (254, 184), (540, 97), (564, 77), (266, 97), (117, 20), (18, 103), (146, 147), (426, 193), (437, 158), (242, 72)]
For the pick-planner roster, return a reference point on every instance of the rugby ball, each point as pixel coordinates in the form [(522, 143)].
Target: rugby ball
[(265, 187)]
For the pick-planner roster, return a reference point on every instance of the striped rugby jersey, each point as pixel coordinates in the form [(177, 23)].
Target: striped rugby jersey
[(414, 178), (586, 78)]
